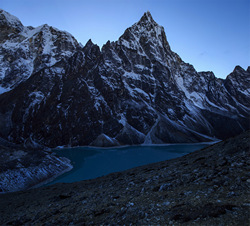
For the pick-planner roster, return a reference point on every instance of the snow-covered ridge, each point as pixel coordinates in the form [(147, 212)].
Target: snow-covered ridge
[(6, 19), (31, 50)]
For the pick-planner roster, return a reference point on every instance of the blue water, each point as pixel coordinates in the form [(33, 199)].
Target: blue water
[(95, 162)]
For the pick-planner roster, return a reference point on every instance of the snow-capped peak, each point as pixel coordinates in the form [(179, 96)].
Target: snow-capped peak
[(148, 38), (147, 19), (147, 29), (25, 46), (147, 25)]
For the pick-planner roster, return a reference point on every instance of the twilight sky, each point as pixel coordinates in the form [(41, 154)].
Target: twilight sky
[(212, 35)]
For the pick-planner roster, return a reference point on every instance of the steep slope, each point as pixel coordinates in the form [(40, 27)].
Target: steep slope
[(132, 91)]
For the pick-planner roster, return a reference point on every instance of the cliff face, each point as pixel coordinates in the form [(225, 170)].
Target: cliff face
[(132, 91)]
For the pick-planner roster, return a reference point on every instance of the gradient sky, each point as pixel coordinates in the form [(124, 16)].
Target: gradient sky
[(212, 35)]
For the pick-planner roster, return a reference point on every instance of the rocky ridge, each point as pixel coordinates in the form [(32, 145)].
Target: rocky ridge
[(132, 91), (206, 187)]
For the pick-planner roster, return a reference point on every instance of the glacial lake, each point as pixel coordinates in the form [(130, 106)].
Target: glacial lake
[(89, 162)]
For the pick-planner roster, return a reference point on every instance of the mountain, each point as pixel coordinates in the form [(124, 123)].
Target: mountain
[(132, 91)]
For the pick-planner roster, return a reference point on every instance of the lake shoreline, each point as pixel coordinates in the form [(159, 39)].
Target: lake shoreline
[(138, 145)]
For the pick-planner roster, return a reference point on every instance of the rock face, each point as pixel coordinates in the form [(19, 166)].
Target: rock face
[(207, 187), (132, 91)]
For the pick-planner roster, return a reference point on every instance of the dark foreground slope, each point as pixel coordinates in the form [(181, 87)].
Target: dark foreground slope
[(209, 187)]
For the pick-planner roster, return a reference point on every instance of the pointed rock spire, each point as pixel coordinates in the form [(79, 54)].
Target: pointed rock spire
[(147, 17), (91, 50), (89, 46), (144, 33), (89, 43), (147, 20)]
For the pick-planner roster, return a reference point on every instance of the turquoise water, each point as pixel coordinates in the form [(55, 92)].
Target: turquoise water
[(95, 162)]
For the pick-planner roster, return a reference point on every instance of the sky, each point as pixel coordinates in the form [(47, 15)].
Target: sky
[(212, 35)]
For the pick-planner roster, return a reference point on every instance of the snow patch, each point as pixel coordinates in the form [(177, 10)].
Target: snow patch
[(4, 90), (123, 120), (132, 75)]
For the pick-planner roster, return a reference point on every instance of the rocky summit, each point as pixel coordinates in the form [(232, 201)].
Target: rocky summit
[(56, 92)]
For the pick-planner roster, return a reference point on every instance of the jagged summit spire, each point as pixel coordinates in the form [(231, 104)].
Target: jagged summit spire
[(148, 23), (147, 18), (146, 31), (89, 43)]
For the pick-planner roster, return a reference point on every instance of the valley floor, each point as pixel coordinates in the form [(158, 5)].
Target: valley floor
[(207, 187)]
